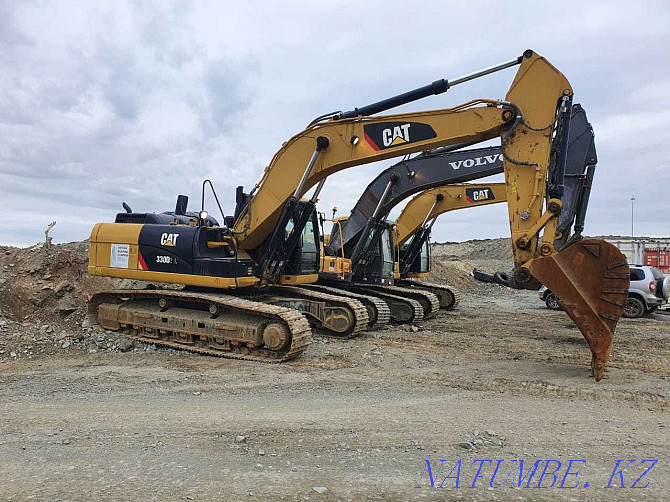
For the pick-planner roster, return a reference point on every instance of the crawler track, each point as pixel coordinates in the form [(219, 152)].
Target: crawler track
[(428, 300), (403, 309), (448, 296), (339, 315), (379, 312), (239, 329)]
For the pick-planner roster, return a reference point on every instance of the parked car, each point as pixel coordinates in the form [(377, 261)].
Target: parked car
[(649, 289)]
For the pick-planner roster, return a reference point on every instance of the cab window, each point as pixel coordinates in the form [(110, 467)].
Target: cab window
[(308, 241), (425, 257)]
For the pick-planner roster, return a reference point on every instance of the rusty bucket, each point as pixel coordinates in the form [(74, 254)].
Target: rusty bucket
[(591, 279)]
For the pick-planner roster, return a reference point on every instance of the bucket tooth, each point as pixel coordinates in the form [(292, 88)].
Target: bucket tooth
[(591, 278)]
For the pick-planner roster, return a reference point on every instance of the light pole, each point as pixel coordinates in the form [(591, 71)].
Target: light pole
[(632, 212)]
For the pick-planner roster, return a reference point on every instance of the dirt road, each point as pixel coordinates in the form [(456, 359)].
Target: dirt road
[(356, 417)]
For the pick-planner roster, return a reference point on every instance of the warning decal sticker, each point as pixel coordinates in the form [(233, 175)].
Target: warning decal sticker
[(119, 256)]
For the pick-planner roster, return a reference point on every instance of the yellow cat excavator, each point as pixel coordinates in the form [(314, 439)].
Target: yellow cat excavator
[(273, 238), (368, 240), (393, 260), (417, 218)]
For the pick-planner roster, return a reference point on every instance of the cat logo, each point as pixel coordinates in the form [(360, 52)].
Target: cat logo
[(169, 240), (396, 135), (383, 135), (479, 194)]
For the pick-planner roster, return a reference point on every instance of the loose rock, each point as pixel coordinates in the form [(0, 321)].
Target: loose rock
[(65, 308), (62, 288), (125, 345)]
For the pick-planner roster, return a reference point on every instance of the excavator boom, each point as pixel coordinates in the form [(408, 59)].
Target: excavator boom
[(352, 142), (337, 141), (428, 205)]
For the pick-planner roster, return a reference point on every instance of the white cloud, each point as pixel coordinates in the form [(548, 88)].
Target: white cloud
[(111, 101)]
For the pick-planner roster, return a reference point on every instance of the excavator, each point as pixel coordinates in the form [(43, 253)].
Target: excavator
[(368, 238), (382, 278), (415, 222), (241, 276)]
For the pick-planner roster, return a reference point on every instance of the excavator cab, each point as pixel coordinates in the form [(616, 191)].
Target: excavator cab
[(377, 258), (306, 256), (420, 267)]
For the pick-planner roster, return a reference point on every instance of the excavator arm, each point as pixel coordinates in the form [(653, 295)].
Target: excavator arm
[(418, 216), (427, 206), (590, 276), (352, 138)]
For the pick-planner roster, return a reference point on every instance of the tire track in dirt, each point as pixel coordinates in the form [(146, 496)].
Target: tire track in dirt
[(544, 389)]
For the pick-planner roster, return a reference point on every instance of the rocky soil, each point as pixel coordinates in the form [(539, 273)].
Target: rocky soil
[(88, 415), (43, 294)]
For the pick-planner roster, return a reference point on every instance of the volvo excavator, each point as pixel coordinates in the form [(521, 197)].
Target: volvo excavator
[(270, 246), (365, 237)]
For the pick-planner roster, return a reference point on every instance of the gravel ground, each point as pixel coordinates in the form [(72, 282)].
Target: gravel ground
[(500, 378)]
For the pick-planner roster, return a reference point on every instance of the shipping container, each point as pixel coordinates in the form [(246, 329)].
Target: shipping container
[(658, 257)]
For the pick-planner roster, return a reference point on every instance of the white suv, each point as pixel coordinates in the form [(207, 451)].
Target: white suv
[(649, 289)]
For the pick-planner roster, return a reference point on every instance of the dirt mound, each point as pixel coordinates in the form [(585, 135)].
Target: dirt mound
[(454, 273), (476, 250), (452, 262), (47, 285), (43, 294)]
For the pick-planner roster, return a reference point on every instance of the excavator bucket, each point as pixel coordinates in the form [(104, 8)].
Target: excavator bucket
[(591, 279)]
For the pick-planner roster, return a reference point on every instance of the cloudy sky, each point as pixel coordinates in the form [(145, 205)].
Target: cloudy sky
[(140, 101)]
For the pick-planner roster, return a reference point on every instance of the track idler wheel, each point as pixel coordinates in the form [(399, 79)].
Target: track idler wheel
[(446, 297), (276, 336), (591, 278)]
